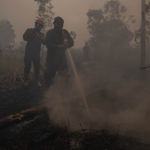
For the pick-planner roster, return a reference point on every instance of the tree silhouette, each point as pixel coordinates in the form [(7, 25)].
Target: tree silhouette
[(45, 12), (7, 34), (110, 29)]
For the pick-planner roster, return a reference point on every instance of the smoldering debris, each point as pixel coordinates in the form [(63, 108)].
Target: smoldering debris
[(115, 104)]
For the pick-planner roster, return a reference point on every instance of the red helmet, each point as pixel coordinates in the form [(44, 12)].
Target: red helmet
[(40, 21)]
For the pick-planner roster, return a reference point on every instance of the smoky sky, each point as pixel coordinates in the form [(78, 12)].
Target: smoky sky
[(22, 13)]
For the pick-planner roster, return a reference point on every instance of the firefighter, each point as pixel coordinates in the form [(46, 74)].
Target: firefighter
[(57, 42), (86, 50), (0, 50), (34, 38)]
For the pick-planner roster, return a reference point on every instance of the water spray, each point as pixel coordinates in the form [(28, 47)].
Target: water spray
[(79, 85)]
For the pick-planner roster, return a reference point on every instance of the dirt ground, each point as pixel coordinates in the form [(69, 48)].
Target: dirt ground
[(15, 98), (39, 133)]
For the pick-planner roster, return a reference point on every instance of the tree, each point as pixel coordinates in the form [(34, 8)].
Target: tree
[(110, 29), (45, 13), (7, 34), (73, 34), (147, 26)]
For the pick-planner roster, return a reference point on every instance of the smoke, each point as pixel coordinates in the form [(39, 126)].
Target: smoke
[(115, 104)]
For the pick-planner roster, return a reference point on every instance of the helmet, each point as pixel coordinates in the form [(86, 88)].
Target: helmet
[(40, 21)]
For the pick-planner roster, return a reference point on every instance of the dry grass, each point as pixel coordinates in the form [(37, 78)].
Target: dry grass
[(11, 68)]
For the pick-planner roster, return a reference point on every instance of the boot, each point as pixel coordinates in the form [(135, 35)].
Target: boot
[(38, 83), (26, 83)]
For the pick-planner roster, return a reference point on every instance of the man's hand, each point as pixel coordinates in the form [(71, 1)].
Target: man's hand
[(34, 32), (64, 36), (34, 29), (65, 45), (41, 38)]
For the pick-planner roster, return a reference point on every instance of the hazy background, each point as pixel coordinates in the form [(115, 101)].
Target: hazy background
[(117, 99), (22, 13)]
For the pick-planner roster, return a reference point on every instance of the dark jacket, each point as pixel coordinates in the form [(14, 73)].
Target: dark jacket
[(55, 38), (86, 49), (34, 41)]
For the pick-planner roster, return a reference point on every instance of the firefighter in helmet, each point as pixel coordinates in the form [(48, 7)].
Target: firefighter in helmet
[(0, 50), (34, 39), (57, 41), (86, 50)]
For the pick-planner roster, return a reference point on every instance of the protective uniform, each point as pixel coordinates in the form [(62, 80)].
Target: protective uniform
[(86, 50), (32, 51), (56, 59)]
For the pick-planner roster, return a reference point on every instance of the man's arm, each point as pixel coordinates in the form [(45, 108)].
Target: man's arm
[(83, 48), (50, 45), (69, 38), (42, 38), (88, 48), (28, 35)]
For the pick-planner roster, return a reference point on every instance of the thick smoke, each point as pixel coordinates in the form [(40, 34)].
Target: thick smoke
[(115, 104)]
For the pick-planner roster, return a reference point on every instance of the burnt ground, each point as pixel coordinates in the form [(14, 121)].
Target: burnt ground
[(39, 133), (15, 97)]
